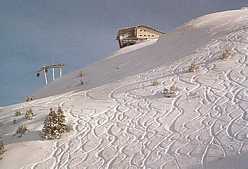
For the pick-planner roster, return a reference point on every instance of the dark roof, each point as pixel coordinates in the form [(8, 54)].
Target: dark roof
[(123, 30)]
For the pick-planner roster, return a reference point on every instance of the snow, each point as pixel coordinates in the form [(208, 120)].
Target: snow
[(123, 121), (221, 21), (168, 49), (133, 47), (244, 8)]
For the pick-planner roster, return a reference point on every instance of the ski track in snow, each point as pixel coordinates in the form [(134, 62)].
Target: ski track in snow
[(138, 131)]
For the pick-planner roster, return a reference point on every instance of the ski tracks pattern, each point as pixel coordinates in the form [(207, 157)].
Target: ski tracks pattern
[(138, 128)]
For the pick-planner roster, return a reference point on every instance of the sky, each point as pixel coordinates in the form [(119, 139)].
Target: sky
[(78, 33)]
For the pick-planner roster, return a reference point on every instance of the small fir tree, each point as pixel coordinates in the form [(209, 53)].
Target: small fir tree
[(155, 83), (193, 68), (171, 92), (29, 114), (18, 113), (54, 125), (21, 130), (226, 54), (2, 149)]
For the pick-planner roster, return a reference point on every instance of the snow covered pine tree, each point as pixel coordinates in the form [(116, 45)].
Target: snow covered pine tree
[(54, 125)]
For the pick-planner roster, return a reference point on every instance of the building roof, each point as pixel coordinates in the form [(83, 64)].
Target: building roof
[(123, 30), (148, 27)]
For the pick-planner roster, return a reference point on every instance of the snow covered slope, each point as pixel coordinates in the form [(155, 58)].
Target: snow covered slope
[(129, 124), (134, 47), (169, 48), (166, 50)]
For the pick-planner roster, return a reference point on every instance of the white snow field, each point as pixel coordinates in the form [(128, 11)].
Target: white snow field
[(120, 120), (134, 47)]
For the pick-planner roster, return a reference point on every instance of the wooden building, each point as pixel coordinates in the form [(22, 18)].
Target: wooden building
[(132, 35)]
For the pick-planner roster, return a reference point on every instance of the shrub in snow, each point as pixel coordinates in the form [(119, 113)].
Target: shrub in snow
[(69, 127), (171, 92), (18, 113), (2, 150), (22, 129), (29, 114), (193, 68), (54, 125), (28, 99), (155, 83), (226, 54), (14, 121)]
